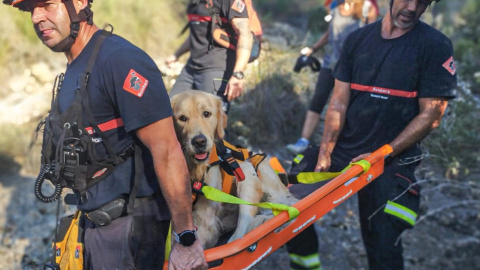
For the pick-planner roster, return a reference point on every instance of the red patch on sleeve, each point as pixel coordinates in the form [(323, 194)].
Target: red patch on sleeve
[(238, 6), (135, 83), (449, 65)]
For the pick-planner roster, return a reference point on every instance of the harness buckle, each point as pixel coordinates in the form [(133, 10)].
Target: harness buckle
[(197, 187)]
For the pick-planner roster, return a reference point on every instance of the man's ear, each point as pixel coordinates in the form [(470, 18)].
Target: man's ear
[(221, 119), (80, 4)]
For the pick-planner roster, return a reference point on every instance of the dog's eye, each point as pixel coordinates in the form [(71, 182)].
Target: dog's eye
[(183, 118), (207, 114)]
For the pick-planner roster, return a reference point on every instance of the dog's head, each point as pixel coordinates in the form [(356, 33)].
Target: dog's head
[(199, 120)]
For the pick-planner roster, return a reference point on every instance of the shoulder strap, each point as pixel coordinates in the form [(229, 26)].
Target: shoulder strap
[(84, 94), (215, 14)]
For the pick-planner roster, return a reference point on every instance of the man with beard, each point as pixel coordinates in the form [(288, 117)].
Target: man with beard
[(393, 81)]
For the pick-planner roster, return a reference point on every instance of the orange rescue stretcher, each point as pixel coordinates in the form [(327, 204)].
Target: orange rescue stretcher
[(255, 246)]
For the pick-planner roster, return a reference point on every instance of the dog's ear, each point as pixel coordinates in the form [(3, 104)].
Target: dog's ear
[(221, 119), (173, 100)]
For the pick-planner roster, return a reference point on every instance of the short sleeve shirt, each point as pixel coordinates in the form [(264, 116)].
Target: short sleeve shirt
[(387, 77), (124, 83), (202, 57)]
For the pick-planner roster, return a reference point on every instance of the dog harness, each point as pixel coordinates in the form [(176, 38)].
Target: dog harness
[(228, 157)]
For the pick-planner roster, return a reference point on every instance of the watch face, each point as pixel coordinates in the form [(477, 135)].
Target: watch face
[(238, 74), (187, 238)]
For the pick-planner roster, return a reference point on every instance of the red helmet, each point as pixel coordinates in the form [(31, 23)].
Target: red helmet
[(20, 4)]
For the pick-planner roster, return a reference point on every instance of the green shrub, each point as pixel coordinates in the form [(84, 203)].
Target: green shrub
[(467, 45)]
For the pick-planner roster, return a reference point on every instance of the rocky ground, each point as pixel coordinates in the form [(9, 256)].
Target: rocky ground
[(447, 235)]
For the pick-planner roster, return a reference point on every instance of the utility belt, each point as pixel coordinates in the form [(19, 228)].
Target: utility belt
[(107, 213)]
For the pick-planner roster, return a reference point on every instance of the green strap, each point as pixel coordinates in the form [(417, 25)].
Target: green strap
[(168, 243), (219, 196), (314, 177)]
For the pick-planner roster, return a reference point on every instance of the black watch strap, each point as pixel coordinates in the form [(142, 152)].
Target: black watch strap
[(186, 238), (238, 74)]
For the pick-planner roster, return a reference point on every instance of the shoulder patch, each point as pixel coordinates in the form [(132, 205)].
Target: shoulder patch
[(238, 5), (449, 65), (135, 83)]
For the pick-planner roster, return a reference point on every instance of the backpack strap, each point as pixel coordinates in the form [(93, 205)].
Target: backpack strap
[(84, 94), (215, 14)]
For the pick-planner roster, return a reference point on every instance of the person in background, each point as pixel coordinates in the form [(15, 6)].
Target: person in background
[(393, 81), (211, 67), (126, 94), (344, 18)]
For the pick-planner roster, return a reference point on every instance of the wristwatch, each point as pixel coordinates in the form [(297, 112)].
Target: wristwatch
[(238, 74), (187, 237)]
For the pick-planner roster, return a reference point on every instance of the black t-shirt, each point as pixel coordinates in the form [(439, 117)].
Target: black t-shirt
[(124, 83), (217, 58), (387, 78)]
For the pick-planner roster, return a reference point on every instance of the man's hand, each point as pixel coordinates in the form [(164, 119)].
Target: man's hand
[(324, 161), (187, 258), (234, 88), (306, 51), (170, 60), (360, 157)]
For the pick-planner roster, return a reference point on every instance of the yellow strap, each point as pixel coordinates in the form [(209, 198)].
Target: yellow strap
[(168, 243), (314, 177), (219, 196)]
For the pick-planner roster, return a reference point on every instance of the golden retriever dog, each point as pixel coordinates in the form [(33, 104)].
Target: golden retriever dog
[(199, 122)]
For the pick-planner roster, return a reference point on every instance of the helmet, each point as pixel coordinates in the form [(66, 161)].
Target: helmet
[(303, 61), (20, 3)]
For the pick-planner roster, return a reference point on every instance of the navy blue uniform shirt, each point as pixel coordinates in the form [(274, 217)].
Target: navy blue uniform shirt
[(124, 83)]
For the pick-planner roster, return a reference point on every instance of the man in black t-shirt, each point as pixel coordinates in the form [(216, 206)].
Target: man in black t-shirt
[(211, 67), (392, 85), (126, 101)]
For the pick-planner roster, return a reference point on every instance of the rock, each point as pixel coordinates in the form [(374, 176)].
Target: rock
[(42, 72)]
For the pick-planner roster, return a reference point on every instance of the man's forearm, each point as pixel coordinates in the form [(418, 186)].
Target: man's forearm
[(184, 48), (171, 170), (321, 42), (335, 118), (334, 121), (431, 112), (244, 43), (175, 185)]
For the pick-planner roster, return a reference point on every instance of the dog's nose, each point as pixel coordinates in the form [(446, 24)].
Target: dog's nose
[(199, 141)]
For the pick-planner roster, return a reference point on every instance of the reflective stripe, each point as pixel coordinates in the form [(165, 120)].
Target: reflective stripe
[(401, 211), (298, 158), (311, 262)]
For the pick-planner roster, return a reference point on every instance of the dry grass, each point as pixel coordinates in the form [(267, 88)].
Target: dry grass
[(153, 26), (271, 113)]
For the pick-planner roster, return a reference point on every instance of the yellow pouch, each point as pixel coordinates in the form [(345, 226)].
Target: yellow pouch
[(69, 242)]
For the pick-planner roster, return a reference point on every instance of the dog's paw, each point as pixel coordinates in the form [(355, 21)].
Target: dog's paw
[(259, 220)]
